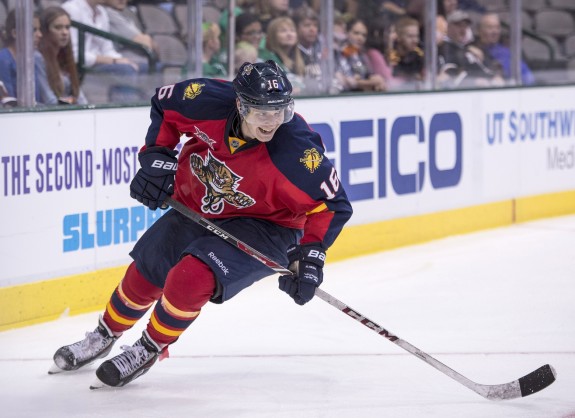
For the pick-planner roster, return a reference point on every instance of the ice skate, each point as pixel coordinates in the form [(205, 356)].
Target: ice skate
[(129, 365), (97, 344)]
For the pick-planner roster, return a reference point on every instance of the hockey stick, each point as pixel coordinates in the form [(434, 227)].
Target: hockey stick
[(530, 383)]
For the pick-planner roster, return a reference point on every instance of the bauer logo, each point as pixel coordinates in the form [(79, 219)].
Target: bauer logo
[(104, 228), (406, 155)]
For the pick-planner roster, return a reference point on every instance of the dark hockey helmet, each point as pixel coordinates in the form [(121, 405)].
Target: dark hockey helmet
[(264, 86)]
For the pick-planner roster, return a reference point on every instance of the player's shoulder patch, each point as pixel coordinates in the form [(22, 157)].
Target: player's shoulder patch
[(297, 149), (311, 159), (193, 90)]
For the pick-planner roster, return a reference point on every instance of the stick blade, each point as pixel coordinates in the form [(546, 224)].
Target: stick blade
[(527, 385), (537, 380)]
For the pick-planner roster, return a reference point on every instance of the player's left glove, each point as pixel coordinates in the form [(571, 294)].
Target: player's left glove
[(306, 262)]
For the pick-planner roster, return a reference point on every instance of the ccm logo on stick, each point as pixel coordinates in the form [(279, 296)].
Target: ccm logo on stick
[(217, 232)]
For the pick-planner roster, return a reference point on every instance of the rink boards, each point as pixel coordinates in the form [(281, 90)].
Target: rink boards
[(416, 168)]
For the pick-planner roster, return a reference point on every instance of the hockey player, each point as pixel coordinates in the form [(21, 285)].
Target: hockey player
[(250, 165)]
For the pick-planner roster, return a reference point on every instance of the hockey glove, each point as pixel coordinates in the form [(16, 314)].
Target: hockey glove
[(154, 181), (306, 262)]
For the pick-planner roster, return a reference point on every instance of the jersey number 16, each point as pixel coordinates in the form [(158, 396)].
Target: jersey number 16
[(334, 182)]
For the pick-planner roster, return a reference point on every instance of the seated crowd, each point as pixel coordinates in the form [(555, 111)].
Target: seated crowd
[(378, 47)]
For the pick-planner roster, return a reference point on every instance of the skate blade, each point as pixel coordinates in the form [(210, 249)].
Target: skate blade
[(98, 384), (54, 369)]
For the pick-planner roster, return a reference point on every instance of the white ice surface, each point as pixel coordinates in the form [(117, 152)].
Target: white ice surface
[(494, 306)]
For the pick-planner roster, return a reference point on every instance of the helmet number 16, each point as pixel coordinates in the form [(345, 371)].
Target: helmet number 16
[(273, 84), (334, 183)]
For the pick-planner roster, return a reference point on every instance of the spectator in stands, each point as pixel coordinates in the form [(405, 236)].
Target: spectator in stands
[(395, 7), (125, 22), (211, 46), (281, 39), (489, 40), (472, 5), (110, 77), (249, 29), (338, 83), (267, 10), (417, 10), (244, 52), (441, 20), (8, 70), (100, 54), (406, 55), (242, 7), (376, 46), (460, 63), (309, 45), (349, 8), (353, 62), (5, 99), (56, 48), (339, 31), (444, 9)]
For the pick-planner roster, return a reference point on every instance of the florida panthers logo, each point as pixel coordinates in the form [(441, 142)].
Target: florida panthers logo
[(221, 184)]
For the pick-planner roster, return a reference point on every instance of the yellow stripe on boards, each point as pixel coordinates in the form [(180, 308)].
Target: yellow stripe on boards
[(37, 302), (544, 206), (381, 236)]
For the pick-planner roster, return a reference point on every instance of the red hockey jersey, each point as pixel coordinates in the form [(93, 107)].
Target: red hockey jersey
[(287, 180)]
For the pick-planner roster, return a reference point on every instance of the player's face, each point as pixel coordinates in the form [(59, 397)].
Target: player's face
[(262, 124)]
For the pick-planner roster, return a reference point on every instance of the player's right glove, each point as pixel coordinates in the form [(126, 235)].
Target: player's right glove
[(154, 181), (306, 262)]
